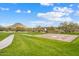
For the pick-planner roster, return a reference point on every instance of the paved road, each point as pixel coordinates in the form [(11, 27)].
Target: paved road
[(6, 42)]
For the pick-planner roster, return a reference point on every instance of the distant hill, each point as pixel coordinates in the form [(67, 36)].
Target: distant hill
[(2, 28), (17, 24)]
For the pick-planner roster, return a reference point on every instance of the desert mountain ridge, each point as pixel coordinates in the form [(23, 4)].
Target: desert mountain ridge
[(13, 25), (17, 24)]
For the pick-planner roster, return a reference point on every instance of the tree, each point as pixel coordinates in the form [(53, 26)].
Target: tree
[(69, 27), (20, 28)]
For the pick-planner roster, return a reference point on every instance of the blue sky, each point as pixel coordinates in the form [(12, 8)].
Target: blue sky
[(34, 14)]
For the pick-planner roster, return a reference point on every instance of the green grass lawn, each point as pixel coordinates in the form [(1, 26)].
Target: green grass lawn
[(24, 45), (31, 33), (3, 35), (72, 33)]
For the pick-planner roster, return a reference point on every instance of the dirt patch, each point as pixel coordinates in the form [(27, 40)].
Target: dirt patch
[(62, 37)]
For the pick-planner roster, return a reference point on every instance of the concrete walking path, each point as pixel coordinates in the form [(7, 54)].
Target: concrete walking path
[(7, 41)]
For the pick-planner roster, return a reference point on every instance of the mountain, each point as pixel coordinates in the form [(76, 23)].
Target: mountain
[(17, 24)]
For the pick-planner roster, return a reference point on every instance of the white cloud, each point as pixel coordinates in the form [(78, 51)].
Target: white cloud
[(58, 14), (51, 14), (42, 23), (46, 4), (62, 19), (54, 16), (77, 12), (23, 11), (18, 11), (38, 22), (71, 5), (28, 11), (6, 25), (78, 6), (4, 9), (63, 9)]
